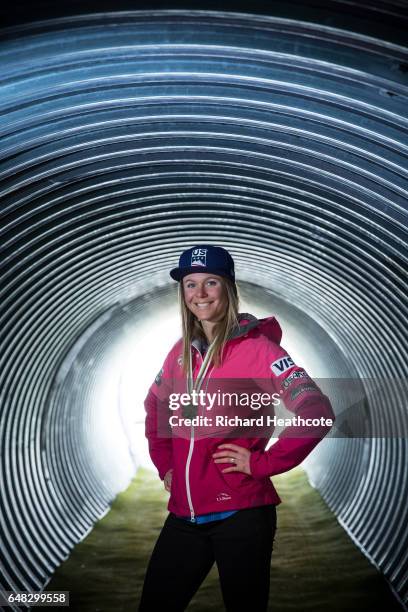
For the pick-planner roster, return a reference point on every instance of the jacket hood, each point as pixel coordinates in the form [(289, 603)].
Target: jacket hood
[(269, 326)]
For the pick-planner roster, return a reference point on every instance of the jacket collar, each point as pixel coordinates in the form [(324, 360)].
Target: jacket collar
[(246, 323), (268, 327)]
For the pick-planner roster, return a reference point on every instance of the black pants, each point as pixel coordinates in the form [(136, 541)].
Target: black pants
[(241, 545)]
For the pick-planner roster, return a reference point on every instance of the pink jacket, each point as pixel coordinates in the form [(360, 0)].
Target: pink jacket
[(198, 484)]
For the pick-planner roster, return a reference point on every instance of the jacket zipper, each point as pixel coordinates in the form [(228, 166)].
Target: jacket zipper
[(190, 454)]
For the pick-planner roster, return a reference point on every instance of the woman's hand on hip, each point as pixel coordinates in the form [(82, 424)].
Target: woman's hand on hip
[(239, 456), (167, 480)]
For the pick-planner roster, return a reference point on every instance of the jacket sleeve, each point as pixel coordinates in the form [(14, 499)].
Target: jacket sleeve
[(303, 397), (160, 445), (157, 428)]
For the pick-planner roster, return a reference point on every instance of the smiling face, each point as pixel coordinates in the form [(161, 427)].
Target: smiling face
[(205, 296)]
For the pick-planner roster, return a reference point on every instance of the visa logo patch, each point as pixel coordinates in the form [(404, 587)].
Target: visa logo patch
[(280, 366)]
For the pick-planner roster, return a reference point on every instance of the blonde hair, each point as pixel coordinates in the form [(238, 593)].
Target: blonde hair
[(192, 328)]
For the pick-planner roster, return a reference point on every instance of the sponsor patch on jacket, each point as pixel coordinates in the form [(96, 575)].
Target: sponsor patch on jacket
[(223, 497), (293, 378), (302, 389), (158, 378), (281, 365)]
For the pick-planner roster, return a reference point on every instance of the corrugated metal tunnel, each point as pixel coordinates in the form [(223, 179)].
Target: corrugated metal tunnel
[(130, 135)]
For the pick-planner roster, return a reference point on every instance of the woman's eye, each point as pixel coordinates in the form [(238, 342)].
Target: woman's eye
[(210, 283)]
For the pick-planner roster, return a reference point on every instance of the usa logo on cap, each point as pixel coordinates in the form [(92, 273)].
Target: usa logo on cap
[(199, 257)]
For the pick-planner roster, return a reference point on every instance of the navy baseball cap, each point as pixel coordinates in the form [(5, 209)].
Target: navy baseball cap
[(205, 258)]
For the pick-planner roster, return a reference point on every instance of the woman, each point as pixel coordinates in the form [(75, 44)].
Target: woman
[(222, 502)]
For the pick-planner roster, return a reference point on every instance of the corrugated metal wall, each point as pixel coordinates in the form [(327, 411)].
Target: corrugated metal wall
[(127, 136)]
